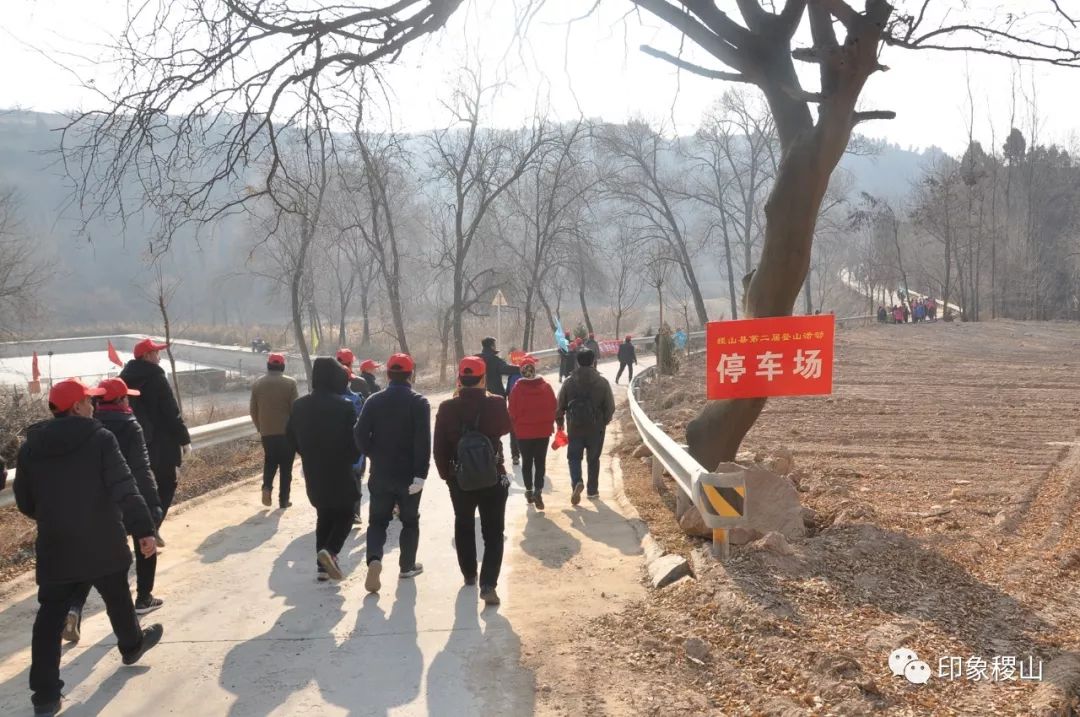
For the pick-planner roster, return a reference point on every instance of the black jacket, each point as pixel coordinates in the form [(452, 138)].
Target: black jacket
[(320, 430), (627, 353), (594, 346), (586, 383), (129, 435), (373, 384), (495, 369), (156, 409), (72, 479), (394, 434)]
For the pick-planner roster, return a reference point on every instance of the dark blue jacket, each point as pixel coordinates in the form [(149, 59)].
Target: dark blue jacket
[(394, 434)]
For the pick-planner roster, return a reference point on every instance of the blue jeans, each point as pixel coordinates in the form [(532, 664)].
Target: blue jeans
[(580, 443)]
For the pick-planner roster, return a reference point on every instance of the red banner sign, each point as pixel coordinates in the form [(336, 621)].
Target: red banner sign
[(758, 358), (609, 347)]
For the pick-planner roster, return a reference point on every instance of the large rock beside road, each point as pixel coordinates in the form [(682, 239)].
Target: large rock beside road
[(666, 570), (772, 505)]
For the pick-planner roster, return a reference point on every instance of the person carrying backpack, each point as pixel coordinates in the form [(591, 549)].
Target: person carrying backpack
[(586, 406), (468, 456), (532, 412)]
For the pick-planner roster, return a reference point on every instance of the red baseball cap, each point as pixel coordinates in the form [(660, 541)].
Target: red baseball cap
[(146, 346), (628, 337), (65, 394), (276, 359), (472, 366), (345, 357), (116, 388), (401, 362), (367, 366), (528, 360)]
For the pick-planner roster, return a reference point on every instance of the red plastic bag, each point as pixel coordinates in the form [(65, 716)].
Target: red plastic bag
[(561, 439)]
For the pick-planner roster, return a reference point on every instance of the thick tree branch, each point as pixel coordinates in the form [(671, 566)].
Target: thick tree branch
[(872, 115), (719, 47), (696, 69)]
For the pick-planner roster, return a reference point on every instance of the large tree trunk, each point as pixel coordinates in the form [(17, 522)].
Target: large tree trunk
[(584, 304), (393, 292), (365, 310), (733, 297), (810, 153), (459, 329)]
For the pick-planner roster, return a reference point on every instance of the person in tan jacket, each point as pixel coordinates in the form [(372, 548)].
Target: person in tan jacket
[(272, 399)]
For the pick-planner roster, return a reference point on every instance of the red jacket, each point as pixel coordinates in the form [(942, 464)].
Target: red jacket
[(532, 408)]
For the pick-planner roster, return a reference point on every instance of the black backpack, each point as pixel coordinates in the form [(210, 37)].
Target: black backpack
[(476, 467), (582, 414)]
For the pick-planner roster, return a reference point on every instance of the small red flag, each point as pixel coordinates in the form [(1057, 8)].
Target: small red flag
[(34, 368), (113, 356)]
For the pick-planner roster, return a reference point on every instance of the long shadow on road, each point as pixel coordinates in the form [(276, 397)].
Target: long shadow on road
[(547, 542), (241, 538), (470, 675), (263, 672), (604, 525)]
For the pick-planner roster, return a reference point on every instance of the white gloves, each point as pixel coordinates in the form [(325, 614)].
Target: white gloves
[(416, 486)]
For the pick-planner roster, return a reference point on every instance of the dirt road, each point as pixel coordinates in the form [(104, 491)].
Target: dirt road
[(945, 473)]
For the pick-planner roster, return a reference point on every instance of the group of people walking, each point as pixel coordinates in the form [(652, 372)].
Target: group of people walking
[(102, 468), (910, 311), (341, 435)]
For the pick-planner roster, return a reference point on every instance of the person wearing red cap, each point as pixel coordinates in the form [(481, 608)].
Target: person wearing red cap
[(114, 412), (167, 437), (394, 434), (627, 359), (73, 481), (272, 398), (367, 372), (532, 412), (473, 424)]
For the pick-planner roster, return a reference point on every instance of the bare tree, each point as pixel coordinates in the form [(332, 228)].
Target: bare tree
[(291, 221), (22, 270), (549, 205), (386, 199), (473, 168), (648, 193), (625, 279)]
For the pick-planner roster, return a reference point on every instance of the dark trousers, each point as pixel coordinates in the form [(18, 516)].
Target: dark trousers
[(533, 458), (55, 600), (384, 496), (145, 572), (515, 447), (492, 505), (278, 456), (358, 476), (592, 443), (332, 526), (625, 366), (165, 475)]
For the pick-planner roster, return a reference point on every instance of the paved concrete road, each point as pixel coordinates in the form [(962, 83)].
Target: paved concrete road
[(248, 631)]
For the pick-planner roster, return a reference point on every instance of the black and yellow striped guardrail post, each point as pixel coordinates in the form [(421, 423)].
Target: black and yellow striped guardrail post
[(721, 499)]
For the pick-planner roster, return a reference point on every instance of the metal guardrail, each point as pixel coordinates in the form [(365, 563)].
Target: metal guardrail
[(202, 437), (698, 484)]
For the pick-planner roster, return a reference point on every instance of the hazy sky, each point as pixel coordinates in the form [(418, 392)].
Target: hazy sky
[(595, 70)]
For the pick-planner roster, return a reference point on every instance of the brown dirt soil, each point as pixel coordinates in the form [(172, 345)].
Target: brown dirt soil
[(945, 472), (203, 471)]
